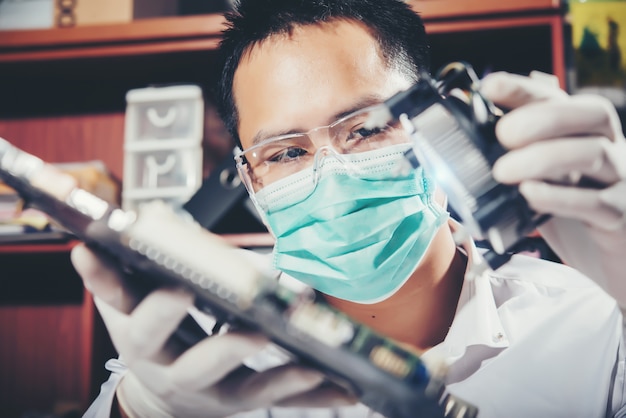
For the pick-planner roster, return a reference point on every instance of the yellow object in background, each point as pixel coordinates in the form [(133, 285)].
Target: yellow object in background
[(599, 41)]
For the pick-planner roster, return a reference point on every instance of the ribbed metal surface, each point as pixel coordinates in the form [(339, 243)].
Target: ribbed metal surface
[(444, 135)]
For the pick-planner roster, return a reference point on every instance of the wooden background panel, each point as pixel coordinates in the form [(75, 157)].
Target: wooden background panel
[(46, 341), (188, 33), (45, 336), (71, 138), (43, 358)]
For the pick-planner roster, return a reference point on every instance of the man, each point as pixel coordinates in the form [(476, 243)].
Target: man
[(531, 339)]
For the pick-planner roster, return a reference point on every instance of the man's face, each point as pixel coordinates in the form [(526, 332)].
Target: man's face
[(293, 83)]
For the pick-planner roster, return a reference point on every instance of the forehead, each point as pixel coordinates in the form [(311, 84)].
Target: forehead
[(297, 81)]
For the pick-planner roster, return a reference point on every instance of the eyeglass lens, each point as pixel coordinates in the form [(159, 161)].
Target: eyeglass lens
[(279, 157)]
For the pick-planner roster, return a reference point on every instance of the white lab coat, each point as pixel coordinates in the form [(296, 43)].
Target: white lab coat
[(534, 339)]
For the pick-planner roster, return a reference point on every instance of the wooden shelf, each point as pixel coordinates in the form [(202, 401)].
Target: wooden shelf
[(148, 36), (202, 32), (32, 248), (448, 9), (126, 51)]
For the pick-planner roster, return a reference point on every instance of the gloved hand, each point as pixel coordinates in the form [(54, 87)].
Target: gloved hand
[(558, 143), (206, 380)]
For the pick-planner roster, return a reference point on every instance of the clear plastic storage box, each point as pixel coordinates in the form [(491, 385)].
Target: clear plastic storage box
[(162, 144)]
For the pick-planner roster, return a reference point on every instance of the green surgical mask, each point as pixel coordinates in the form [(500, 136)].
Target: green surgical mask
[(355, 237)]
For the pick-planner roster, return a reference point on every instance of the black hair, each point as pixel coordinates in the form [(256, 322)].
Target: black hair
[(398, 29)]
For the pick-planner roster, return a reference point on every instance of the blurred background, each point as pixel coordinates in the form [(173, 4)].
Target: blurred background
[(118, 93)]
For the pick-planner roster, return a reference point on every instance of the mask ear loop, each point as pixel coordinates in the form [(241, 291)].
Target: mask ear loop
[(247, 182)]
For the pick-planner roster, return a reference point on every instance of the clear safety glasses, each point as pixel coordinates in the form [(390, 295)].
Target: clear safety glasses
[(278, 157)]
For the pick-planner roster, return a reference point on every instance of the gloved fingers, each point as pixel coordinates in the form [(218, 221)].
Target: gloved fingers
[(115, 321), (213, 358), (561, 160), (153, 322), (576, 116), (616, 154), (143, 333), (154, 376), (165, 390), (273, 385), (615, 197), (327, 394), (146, 390), (512, 90), (101, 278), (149, 390), (586, 205)]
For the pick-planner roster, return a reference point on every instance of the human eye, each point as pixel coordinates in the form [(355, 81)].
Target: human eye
[(286, 155), (360, 133), (354, 134)]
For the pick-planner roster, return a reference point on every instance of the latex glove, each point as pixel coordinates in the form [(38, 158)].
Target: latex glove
[(206, 380), (557, 138)]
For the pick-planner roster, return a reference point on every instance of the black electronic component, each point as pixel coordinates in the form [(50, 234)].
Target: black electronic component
[(452, 128)]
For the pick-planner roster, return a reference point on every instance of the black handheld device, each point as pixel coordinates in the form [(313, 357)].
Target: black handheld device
[(452, 129)]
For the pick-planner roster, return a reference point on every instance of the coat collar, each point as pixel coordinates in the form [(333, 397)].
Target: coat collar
[(476, 321)]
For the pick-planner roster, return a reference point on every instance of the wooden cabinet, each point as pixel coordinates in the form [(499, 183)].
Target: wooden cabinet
[(63, 98), (492, 35), (64, 89), (52, 343)]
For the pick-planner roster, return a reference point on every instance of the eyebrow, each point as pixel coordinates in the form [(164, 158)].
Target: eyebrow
[(363, 102)]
